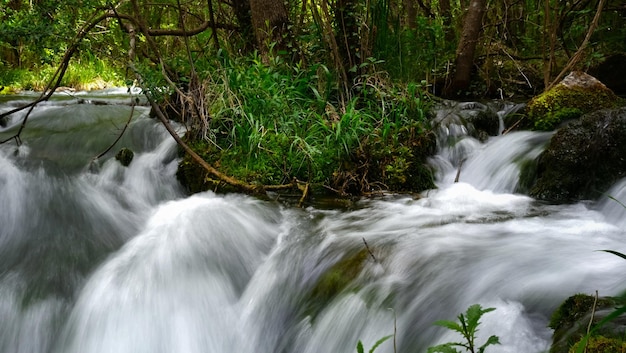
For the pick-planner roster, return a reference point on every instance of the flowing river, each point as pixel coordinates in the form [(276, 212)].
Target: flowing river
[(97, 257)]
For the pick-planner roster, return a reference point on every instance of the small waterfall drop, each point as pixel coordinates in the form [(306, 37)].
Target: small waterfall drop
[(496, 164), (97, 257)]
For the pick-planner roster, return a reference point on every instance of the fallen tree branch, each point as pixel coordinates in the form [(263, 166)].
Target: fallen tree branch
[(251, 188), (578, 56)]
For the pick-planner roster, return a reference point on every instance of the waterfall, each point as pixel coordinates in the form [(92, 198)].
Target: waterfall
[(97, 257)]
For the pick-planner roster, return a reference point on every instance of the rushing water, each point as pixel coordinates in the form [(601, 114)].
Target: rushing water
[(96, 257)]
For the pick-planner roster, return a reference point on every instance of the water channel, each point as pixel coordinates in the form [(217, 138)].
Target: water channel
[(97, 257)]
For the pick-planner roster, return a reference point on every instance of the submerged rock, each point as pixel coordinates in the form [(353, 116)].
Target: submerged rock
[(578, 94), (125, 156), (475, 119), (583, 158)]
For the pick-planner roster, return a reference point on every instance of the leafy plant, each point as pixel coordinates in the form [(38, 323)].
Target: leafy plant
[(583, 343), (359, 346), (467, 327)]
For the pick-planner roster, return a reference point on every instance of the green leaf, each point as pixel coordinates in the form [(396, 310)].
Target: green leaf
[(615, 253), (359, 347), (491, 340), (474, 313), (616, 200), (450, 325), (443, 348), (379, 342)]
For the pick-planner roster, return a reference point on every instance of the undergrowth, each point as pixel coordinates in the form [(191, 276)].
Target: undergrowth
[(82, 74), (272, 123)]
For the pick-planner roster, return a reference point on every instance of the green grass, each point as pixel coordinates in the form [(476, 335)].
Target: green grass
[(271, 123), (82, 74)]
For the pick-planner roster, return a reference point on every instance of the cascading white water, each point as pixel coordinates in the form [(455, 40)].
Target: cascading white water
[(113, 259)]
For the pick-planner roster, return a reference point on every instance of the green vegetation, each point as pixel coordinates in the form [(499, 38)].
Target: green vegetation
[(600, 344), (359, 346), (467, 327), (584, 323), (85, 75), (562, 103), (271, 123), (332, 94)]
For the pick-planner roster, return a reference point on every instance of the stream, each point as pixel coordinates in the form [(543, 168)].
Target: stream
[(97, 257)]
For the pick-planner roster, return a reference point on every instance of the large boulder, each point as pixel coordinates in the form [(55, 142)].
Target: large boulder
[(578, 94), (584, 158)]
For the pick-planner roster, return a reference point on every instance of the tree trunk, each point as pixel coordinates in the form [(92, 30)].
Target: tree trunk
[(270, 21), (411, 13), (244, 19), (472, 26)]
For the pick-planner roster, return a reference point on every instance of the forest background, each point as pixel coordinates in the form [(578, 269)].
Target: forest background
[(332, 95)]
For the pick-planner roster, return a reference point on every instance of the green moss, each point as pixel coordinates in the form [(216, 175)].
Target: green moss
[(601, 344), (560, 103), (125, 156), (552, 119), (571, 319), (335, 280), (398, 161), (572, 310)]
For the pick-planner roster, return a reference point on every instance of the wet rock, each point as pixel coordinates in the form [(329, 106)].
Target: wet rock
[(473, 118), (583, 158), (578, 94), (571, 319), (125, 156)]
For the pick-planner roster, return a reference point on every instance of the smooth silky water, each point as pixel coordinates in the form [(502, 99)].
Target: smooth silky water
[(96, 257)]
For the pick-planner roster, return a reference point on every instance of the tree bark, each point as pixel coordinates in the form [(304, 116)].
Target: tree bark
[(270, 23), (472, 27), (244, 19)]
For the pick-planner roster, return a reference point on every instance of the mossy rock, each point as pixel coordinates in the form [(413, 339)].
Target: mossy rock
[(601, 344), (571, 320), (125, 156), (337, 279), (583, 159), (398, 163), (576, 95)]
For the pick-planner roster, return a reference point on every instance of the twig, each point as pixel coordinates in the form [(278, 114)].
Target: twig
[(593, 311), (579, 53), (369, 251), (458, 171), (305, 193), (518, 68), (512, 127), (130, 117)]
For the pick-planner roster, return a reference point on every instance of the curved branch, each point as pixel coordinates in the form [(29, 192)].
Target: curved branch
[(119, 137), (578, 56), (191, 32)]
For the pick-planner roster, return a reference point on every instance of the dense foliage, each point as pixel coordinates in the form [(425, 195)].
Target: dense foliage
[(333, 93)]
